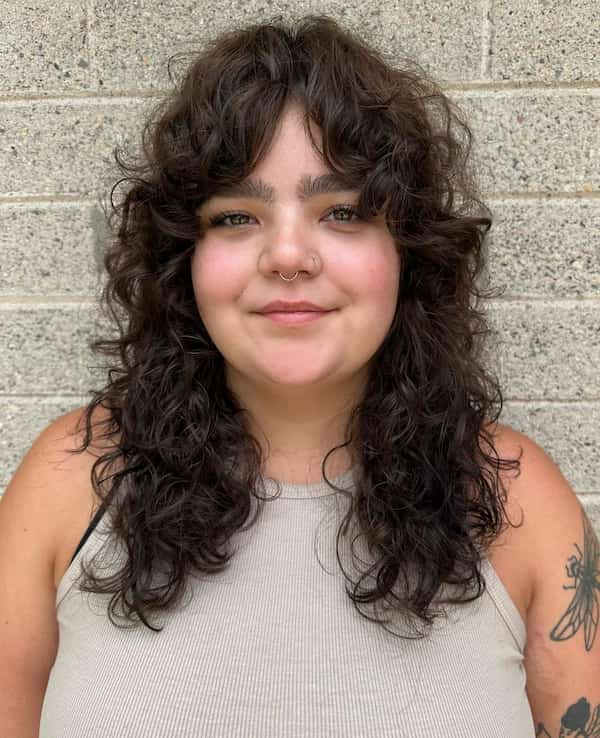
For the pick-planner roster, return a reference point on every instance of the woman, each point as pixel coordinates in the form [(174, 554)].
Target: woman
[(290, 510)]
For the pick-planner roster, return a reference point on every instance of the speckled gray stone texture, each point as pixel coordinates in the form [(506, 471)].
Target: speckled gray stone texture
[(48, 248), (550, 40), (549, 351), (65, 148), (44, 346), (542, 141), (544, 249), (134, 40), (44, 47)]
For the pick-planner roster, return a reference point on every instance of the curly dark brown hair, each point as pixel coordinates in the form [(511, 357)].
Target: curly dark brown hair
[(428, 497)]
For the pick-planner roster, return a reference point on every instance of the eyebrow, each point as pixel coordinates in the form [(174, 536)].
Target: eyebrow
[(307, 187)]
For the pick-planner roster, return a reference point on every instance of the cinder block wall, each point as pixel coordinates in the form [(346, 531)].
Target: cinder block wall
[(76, 78)]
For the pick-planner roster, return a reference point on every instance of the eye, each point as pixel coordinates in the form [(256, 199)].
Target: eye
[(219, 218), (347, 210)]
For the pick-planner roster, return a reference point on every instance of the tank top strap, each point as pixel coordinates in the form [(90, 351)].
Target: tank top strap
[(504, 604)]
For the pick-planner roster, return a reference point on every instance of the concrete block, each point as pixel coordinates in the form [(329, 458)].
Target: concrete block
[(550, 351), (428, 33), (56, 148), (44, 48), (542, 141), (544, 249), (42, 348), (549, 40), (49, 249), (133, 43)]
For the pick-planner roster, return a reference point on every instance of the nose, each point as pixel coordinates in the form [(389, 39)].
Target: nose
[(289, 250)]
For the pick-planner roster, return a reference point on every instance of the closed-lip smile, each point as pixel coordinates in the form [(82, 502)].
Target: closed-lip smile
[(283, 306)]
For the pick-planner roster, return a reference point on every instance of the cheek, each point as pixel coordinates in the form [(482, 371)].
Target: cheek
[(217, 275), (380, 279)]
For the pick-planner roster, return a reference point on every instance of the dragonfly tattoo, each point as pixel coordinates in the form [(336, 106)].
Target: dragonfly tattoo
[(584, 607), (577, 722)]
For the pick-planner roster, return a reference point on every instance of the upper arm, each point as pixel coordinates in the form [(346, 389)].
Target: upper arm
[(562, 654), (33, 511)]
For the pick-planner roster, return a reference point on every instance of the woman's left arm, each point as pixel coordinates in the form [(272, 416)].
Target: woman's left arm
[(562, 654)]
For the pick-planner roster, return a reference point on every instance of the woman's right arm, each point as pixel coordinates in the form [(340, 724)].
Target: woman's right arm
[(33, 512)]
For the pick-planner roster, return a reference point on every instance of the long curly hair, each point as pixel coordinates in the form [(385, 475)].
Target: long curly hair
[(428, 498)]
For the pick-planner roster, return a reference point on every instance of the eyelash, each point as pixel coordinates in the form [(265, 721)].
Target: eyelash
[(217, 220)]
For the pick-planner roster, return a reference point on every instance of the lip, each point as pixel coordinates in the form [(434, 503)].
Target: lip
[(284, 306), (296, 318)]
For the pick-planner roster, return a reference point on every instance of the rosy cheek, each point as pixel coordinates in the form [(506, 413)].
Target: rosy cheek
[(216, 273), (383, 285), (381, 274)]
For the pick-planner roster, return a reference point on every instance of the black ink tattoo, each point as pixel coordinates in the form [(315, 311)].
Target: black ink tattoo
[(576, 722), (584, 607)]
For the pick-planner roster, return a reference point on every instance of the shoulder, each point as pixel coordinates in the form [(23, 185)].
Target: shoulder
[(46, 502), (68, 432), (52, 488), (559, 549), (549, 504), (539, 484), (49, 470), (541, 496), (537, 495), (53, 453)]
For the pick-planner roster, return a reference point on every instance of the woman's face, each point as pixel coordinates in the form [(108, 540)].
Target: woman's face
[(235, 272)]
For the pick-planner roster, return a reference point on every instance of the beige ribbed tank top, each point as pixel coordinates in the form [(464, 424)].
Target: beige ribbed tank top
[(273, 648)]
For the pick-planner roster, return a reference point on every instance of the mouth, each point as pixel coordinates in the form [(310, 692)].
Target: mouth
[(296, 318)]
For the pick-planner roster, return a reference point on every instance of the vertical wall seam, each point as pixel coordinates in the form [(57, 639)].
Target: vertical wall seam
[(487, 40)]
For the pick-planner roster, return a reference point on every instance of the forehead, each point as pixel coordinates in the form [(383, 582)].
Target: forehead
[(308, 186)]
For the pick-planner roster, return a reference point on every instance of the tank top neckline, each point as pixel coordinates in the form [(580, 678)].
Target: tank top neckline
[(304, 491)]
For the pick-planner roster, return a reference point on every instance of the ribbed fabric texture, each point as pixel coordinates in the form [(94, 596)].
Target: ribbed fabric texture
[(273, 648)]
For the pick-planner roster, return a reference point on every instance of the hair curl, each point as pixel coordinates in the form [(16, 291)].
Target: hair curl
[(426, 496)]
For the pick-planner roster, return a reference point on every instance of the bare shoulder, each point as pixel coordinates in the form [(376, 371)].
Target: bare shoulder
[(511, 553), (539, 489), (558, 551), (541, 502), (54, 484), (46, 503), (79, 495)]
